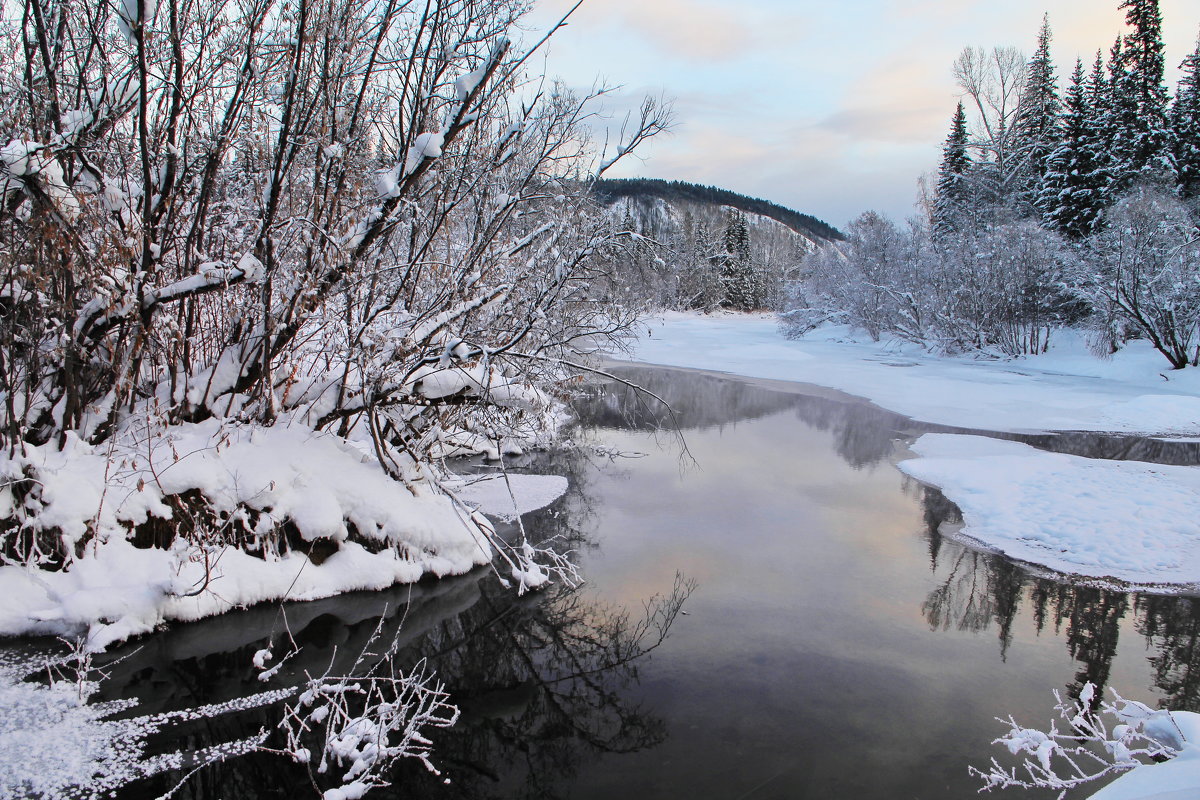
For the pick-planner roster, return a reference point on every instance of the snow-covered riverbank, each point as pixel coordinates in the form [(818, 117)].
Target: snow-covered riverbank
[(255, 482), (1128, 521), (1065, 389)]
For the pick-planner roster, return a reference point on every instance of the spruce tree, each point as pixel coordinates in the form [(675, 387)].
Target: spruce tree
[(1038, 125), (1073, 195), (951, 203), (1142, 145), (1185, 125), (1104, 126), (737, 270)]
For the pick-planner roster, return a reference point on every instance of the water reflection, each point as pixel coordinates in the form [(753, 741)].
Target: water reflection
[(979, 592), (863, 434), (1171, 626), (973, 591), (842, 644), (542, 681)]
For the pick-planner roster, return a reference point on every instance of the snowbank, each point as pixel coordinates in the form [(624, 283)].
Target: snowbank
[(1065, 389), (1131, 521), (1176, 779), (271, 513)]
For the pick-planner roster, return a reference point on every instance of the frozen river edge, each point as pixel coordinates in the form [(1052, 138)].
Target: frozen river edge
[(1131, 524)]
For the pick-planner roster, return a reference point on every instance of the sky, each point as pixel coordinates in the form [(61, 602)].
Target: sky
[(828, 108)]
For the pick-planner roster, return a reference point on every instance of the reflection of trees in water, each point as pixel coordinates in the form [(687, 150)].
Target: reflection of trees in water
[(544, 680), (863, 434), (1121, 448), (976, 591), (543, 686), (974, 596), (1172, 625), (695, 401), (1092, 620)]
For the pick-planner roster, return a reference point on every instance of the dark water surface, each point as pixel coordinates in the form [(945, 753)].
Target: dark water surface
[(836, 645)]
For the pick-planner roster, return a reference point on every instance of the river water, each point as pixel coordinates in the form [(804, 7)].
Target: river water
[(835, 643)]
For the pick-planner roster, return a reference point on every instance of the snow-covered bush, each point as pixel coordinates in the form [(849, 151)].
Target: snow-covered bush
[(1141, 273), (993, 288), (1087, 749), (1000, 288), (341, 227), (348, 730)]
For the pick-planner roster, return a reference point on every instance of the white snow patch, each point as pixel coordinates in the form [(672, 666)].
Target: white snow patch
[(508, 497), (426, 145), (1065, 389), (320, 484), (53, 741), (1131, 521), (1176, 779)]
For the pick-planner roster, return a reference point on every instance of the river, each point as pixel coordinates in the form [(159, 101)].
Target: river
[(835, 643)]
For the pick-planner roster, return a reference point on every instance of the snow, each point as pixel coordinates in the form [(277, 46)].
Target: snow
[(54, 743), (253, 269), (507, 497), (1176, 779), (1127, 521), (467, 83), (426, 145), (1065, 389), (1120, 522), (256, 479)]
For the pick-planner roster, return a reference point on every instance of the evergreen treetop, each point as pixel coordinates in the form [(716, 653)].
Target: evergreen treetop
[(951, 201), (1072, 197), (1038, 124), (1185, 125)]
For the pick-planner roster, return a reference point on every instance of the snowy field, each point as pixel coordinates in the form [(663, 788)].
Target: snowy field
[(1125, 522), (1065, 389)]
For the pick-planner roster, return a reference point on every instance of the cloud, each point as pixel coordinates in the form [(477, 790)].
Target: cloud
[(900, 100), (830, 109), (697, 30)]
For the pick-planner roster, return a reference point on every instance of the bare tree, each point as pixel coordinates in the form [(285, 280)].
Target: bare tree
[(360, 216), (993, 82)]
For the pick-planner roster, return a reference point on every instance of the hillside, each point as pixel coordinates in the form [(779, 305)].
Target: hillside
[(646, 190)]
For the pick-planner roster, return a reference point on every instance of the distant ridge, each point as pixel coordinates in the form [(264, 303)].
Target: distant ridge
[(609, 191)]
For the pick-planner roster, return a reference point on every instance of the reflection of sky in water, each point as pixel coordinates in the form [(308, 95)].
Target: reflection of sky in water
[(808, 663)]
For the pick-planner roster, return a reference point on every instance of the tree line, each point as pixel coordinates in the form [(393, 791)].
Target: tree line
[(609, 190), (1049, 208)]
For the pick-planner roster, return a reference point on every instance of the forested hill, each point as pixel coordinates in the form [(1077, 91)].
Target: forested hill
[(610, 191)]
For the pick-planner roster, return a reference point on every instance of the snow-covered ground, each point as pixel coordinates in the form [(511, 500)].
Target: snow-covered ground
[(1065, 389), (1134, 522), (258, 479), (1127, 520), (54, 743)]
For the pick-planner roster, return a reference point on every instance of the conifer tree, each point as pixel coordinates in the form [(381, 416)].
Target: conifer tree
[(1103, 124), (1072, 196), (1185, 125), (1038, 124), (1142, 146), (951, 203), (738, 275)]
